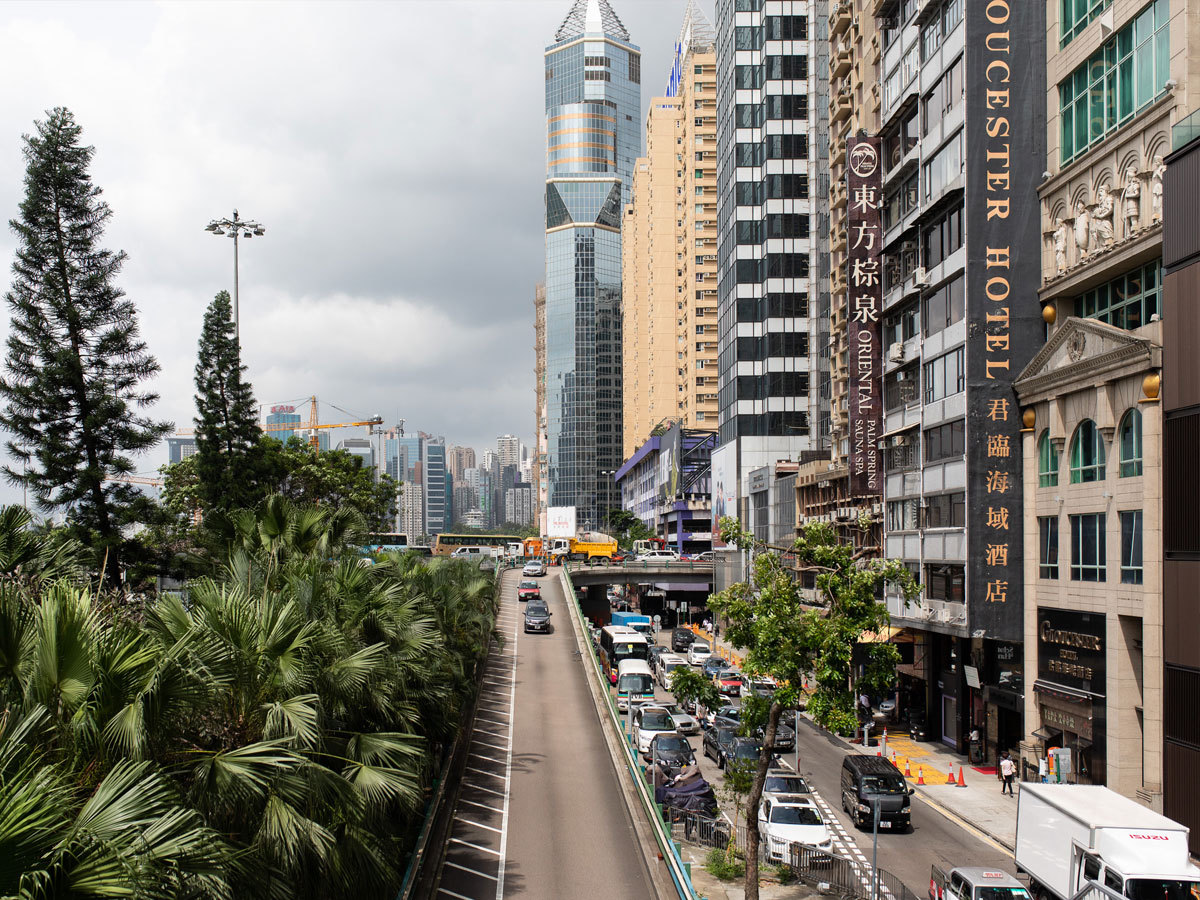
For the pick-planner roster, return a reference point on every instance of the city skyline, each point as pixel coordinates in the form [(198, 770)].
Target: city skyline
[(341, 297)]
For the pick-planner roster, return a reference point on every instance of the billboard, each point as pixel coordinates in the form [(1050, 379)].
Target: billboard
[(670, 452), (724, 487), (1005, 144), (864, 303), (560, 522)]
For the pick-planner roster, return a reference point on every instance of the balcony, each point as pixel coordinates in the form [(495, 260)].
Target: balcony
[(841, 62), (841, 107), (839, 18)]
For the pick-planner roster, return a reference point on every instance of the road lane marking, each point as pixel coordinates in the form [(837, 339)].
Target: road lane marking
[(479, 847), (481, 805), (476, 824), (454, 865), (450, 893), (481, 756), (480, 787), (512, 708), (484, 772), (491, 746)]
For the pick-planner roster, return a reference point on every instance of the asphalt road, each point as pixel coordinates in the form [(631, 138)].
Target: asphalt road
[(561, 828)]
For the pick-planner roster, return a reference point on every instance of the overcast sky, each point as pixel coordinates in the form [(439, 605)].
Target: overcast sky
[(394, 152)]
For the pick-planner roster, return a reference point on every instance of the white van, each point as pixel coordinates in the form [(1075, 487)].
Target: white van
[(634, 680), (477, 553), (667, 663)]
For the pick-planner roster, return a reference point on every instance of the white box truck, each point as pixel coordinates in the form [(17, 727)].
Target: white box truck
[(1070, 836)]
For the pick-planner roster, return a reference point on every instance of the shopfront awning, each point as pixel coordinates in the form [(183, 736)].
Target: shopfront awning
[(1046, 735), (1066, 693)]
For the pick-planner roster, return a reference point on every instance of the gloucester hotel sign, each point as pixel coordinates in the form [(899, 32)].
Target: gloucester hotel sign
[(1005, 151)]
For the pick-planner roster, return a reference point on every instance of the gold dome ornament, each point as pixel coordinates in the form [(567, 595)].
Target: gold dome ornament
[(1049, 313), (1151, 385), (1028, 419)]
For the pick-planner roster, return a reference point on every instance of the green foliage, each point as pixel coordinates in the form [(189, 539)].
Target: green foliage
[(272, 736), (725, 864), (229, 456), (332, 478), (73, 401), (627, 528), (690, 686)]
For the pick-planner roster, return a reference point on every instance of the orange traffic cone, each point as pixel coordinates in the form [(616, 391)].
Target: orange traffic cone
[(907, 768), (894, 758), (920, 775), (951, 779), (962, 782)]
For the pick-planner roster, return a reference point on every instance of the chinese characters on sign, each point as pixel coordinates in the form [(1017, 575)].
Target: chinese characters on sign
[(864, 305), (1004, 329)]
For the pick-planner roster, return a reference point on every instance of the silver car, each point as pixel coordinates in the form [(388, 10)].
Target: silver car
[(684, 723)]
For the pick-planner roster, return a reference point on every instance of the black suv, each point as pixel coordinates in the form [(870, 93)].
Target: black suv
[(681, 639)]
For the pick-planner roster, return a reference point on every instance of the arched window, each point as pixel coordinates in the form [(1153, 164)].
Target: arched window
[(1131, 443), (1047, 461), (1087, 453)]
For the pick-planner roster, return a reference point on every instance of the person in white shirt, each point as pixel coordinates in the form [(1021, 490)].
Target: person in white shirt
[(1008, 770)]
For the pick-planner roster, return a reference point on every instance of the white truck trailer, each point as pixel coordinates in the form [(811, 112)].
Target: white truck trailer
[(1073, 837)]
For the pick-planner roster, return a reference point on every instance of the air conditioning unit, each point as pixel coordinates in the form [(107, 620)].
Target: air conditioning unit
[(902, 376), (896, 352), (900, 440), (920, 276)]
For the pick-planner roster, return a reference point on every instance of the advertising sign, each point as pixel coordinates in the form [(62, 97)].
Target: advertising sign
[(724, 487), (1071, 649), (1005, 149), (560, 522), (670, 449), (864, 183)]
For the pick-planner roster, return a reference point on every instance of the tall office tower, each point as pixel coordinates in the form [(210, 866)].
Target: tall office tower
[(508, 449), (412, 506), (360, 448), (180, 448), (518, 508), (770, 325), (435, 483), (541, 471), (1121, 79), (283, 415), (669, 261), (459, 459), (962, 159), (593, 97)]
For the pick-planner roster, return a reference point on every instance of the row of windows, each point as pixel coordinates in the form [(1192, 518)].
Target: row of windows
[(774, 265), (945, 306), (944, 97), (1076, 15), (1087, 452), (775, 225), (945, 376), (943, 237), (772, 384), (773, 187), (1126, 74), (772, 306), (944, 167), (939, 27), (763, 424), (786, 343), (1129, 301), (1089, 539)]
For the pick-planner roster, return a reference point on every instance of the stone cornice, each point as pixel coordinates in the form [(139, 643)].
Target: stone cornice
[(1131, 356)]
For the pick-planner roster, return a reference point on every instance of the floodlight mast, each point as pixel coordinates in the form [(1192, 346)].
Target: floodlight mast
[(236, 228)]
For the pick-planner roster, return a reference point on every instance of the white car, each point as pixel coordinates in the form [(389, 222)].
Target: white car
[(786, 819), (658, 556), (684, 723), (534, 568), (648, 721), (784, 781), (763, 685), (698, 652)]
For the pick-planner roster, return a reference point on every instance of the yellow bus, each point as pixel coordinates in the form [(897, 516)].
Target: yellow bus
[(445, 544)]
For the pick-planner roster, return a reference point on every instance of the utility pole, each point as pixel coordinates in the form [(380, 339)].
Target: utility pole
[(235, 228)]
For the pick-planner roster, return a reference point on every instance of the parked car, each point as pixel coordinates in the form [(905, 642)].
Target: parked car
[(758, 685), (784, 781), (697, 652), (666, 663), (537, 616), (714, 739), (741, 749), (684, 723), (785, 738), (655, 653), (918, 730), (714, 664), (729, 682), (706, 556), (786, 819), (528, 590), (658, 556), (671, 752), (681, 639), (731, 713), (648, 721), (534, 568)]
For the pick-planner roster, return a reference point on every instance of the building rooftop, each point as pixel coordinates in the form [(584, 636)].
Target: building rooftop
[(591, 17)]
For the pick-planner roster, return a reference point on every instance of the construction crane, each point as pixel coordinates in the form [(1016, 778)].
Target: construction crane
[(135, 479), (311, 426)]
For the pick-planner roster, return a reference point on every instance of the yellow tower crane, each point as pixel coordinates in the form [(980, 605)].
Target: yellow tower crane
[(311, 426)]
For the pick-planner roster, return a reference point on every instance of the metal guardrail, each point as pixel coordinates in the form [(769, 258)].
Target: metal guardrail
[(669, 848), (683, 565)]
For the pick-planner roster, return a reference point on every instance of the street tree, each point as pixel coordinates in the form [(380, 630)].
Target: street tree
[(333, 477), (73, 397), (229, 453), (627, 528), (787, 632)]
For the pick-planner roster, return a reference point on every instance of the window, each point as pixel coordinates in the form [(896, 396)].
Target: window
[(747, 77), (946, 511), (1087, 547), (1048, 547), (945, 376), (901, 457), (787, 225), (1128, 301), (787, 106), (1126, 74), (947, 304), (746, 115), (945, 441), (1131, 546), (942, 238), (786, 67), (1131, 444), (635, 68), (786, 187), (747, 37), (946, 165), (944, 583), (1047, 461), (786, 28), (898, 142), (1087, 454), (900, 388), (787, 146), (944, 97), (1075, 16), (901, 325), (902, 515)]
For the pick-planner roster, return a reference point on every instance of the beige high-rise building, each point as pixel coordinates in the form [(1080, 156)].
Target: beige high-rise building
[(669, 262), (459, 459)]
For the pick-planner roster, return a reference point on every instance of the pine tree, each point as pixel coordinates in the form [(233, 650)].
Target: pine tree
[(228, 448), (72, 386)]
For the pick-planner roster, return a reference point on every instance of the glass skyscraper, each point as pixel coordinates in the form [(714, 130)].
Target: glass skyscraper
[(593, 136)]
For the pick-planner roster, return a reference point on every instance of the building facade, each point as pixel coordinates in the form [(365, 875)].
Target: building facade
[(458, 460), (180, 448), (772, 78), (518, 505), (541, 465), (593, 99), (508, 450), (669, 262), (961, 147), (667, 483), (438, 485)]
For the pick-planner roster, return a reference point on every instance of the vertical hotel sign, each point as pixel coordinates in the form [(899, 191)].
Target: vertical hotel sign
[(864, 185), (1005, 149)]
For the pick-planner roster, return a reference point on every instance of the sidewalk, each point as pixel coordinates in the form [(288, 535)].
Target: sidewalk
[(979, 805)]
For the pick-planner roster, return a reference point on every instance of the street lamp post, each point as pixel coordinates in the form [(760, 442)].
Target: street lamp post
[(236, 228)]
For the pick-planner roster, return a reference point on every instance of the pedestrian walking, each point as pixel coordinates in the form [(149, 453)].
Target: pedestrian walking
[(1008, 771)]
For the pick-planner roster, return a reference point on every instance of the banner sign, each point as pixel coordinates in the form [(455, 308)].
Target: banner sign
[(864, 301), (1005, 152), (1071, 649)]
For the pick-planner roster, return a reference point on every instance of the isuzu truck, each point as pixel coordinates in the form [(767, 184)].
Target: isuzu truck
[(1073, 837)]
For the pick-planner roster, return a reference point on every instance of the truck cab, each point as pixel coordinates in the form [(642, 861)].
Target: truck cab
[(974, 883)]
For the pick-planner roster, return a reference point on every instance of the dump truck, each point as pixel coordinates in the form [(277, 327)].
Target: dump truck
[(588, 545)]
